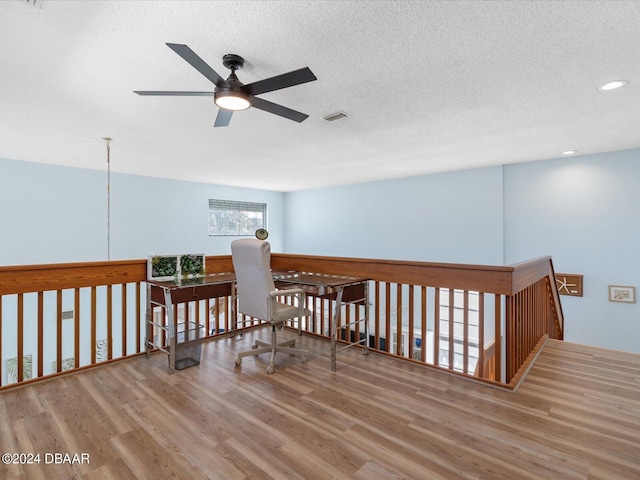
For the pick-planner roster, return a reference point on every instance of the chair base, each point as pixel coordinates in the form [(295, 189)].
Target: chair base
[(260, 347)]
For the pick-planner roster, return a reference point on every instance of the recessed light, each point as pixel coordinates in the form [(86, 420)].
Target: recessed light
[(569, 152), (613, 85)]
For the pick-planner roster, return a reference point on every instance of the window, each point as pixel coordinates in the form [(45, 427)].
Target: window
[(229, 217)]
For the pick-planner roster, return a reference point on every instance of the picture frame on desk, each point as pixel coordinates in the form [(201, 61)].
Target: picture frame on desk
[(172, 267), (192, 265), (163, 267)]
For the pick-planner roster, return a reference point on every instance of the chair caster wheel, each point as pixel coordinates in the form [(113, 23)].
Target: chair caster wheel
[(305, 359), (238, 361), (270, 370)]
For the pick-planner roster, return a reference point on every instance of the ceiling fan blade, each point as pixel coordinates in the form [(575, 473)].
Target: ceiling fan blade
[(285, 80), (196, 62), (276, 109), (181, 94), (223, 118)]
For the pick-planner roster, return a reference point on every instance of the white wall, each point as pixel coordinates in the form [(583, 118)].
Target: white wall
[(584, 212), (450, 217), (53, 214)]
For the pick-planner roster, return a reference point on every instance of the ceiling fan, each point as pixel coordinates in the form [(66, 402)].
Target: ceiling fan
[(231, 94)]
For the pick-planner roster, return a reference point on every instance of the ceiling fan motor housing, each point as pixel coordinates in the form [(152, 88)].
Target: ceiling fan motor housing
[(232, 61)]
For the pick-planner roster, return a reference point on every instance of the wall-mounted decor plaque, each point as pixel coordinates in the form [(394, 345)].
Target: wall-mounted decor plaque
[(569, 284)]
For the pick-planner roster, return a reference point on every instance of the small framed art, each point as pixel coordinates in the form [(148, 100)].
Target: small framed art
[(618, 293)]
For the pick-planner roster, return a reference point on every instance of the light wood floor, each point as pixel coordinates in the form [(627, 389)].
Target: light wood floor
[(576, 416)]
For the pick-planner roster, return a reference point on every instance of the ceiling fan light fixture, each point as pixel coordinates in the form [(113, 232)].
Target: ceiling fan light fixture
[(232, 100)]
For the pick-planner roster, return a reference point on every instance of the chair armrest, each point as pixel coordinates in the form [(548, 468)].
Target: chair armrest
[(287, 292), (297, 293)]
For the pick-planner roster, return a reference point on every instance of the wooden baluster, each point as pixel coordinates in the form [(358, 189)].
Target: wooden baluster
[(20, 359), (76, 327), (387, 291), (40, 334), (124, 320), (399, 346), (512, 333), (94, 316), (109, 322), (138, 319), (347, 321), (436, 327), (376, 314), (1, 357), (498, 340), (221, 305), (481, 357), (423, 325), (315, 317), (58, 330), (411, 340), (207, 321)]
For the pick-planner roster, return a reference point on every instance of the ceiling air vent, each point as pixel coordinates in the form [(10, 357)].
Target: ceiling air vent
[(334, 116)]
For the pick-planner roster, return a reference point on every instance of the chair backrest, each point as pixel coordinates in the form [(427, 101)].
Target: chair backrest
[(252, 264)]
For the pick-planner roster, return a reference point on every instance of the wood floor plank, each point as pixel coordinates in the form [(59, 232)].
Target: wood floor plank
[(576, 416)]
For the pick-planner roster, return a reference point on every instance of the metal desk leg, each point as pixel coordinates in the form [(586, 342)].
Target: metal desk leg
[(148, 326), (366, 318), (171, 330), (334, 327)]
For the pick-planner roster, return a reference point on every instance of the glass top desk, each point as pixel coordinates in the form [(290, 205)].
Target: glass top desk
[(343, 290), (169, 293)]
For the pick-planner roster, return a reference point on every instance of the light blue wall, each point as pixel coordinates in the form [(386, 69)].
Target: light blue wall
[(53, 214), (450, 217), (585, 212)]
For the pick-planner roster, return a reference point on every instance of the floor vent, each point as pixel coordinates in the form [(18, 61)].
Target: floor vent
[(334, 116)]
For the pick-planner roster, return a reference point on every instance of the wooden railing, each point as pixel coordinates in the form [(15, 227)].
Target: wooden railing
[(520, 302), (485, 322)]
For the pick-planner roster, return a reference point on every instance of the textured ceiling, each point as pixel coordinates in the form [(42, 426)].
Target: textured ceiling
[(430, 86)]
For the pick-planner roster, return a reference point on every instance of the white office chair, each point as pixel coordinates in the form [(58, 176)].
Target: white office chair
[(258, 297)]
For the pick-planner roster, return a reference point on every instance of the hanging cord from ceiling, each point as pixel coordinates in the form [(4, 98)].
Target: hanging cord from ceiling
[(108, 140)]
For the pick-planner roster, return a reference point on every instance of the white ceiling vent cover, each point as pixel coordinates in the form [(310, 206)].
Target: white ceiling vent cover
[(35, 3), (334, 116)]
